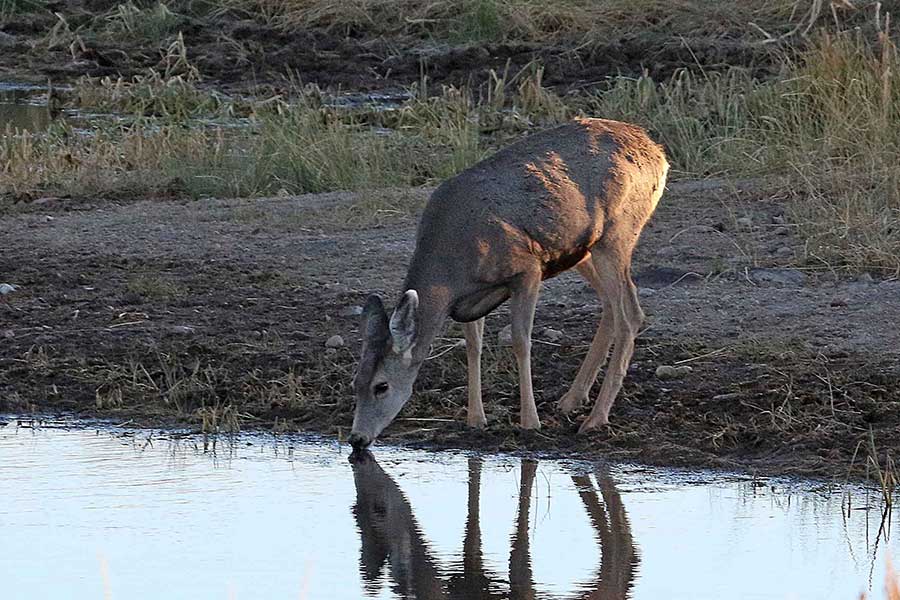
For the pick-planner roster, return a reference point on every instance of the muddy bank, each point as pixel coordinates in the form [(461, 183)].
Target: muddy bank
[(236, 50), (216, 314)]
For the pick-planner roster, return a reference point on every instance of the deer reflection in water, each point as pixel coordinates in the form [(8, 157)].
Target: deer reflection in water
[(390, 535)]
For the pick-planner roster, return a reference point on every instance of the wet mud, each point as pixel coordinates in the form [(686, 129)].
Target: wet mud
[(217, 314)]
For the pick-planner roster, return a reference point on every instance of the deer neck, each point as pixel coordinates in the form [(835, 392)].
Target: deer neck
[(434, 306)]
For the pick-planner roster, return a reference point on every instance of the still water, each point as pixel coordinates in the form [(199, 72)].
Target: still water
[(97, 512), (23, 107)]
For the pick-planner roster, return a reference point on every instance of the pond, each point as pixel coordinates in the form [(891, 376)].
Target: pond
[(93, 511)]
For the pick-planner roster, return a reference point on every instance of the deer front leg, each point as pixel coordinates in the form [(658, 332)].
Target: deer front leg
[(522, 303), (474, 333), (599, 351)]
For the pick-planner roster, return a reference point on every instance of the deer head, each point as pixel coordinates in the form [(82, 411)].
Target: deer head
[(387, 370)]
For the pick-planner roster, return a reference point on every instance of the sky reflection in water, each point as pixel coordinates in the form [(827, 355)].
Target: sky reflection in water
[(92, 513)]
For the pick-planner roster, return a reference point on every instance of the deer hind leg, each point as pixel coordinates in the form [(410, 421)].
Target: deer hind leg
[(599, 351), (474, 333), (612, 266), (522, 304)]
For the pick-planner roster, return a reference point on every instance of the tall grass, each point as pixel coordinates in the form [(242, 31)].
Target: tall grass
[(154, 22), (828, 126), (541, 21)]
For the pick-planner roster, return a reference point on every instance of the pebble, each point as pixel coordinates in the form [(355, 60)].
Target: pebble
[(7, 288), (670, 372), (744, 222), (839, 301), (504, 338), (552, 335), (182, 329), (646, 292), (334, 341), (778, 219), (784, 251)]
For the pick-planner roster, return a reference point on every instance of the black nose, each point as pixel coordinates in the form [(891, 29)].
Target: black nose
[(359, 441)]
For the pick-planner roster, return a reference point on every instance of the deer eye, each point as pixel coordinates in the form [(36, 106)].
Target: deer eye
[(381, 388)]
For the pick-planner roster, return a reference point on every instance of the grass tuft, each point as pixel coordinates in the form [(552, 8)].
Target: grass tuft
[(153, 23)]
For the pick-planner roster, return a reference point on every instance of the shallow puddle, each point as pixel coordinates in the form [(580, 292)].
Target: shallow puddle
[(23, 107), (106, 513)]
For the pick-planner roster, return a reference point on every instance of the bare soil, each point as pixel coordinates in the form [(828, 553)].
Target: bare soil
[(236, 52), (172, 313)]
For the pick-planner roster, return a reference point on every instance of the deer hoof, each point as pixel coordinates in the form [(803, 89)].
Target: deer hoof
[(476, 422), (592, 425), (532, 423), (571, 402)]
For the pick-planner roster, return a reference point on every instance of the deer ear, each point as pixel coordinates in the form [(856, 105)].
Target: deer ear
[(375, 320), (403, 322)]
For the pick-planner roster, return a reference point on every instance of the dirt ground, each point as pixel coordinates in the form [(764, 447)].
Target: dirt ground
[(241, 54), (217, 313)]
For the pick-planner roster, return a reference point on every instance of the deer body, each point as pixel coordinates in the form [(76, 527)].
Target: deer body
[(576, 196)]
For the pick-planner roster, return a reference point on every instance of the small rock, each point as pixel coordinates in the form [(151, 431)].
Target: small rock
[(784, 252), (8, 333), (645, 292), (504, 338), (839, 301), (782, 231), (778, 276), (778, 219), (334, 341), (7, 288), (865, 278), (552, 335), (182, 329), (48, 219), (351, 311), (670, 372), (744, 222)]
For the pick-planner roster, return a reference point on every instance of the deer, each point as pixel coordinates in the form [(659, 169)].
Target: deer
[(574, 196)]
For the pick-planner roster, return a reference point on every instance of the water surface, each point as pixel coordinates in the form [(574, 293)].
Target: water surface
[(24, 107), (106, 513)]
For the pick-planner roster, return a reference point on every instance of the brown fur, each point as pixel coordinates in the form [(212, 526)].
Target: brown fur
[(578, 196)]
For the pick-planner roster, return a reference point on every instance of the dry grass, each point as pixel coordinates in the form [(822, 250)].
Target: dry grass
[(829, 124), (545, 22)]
